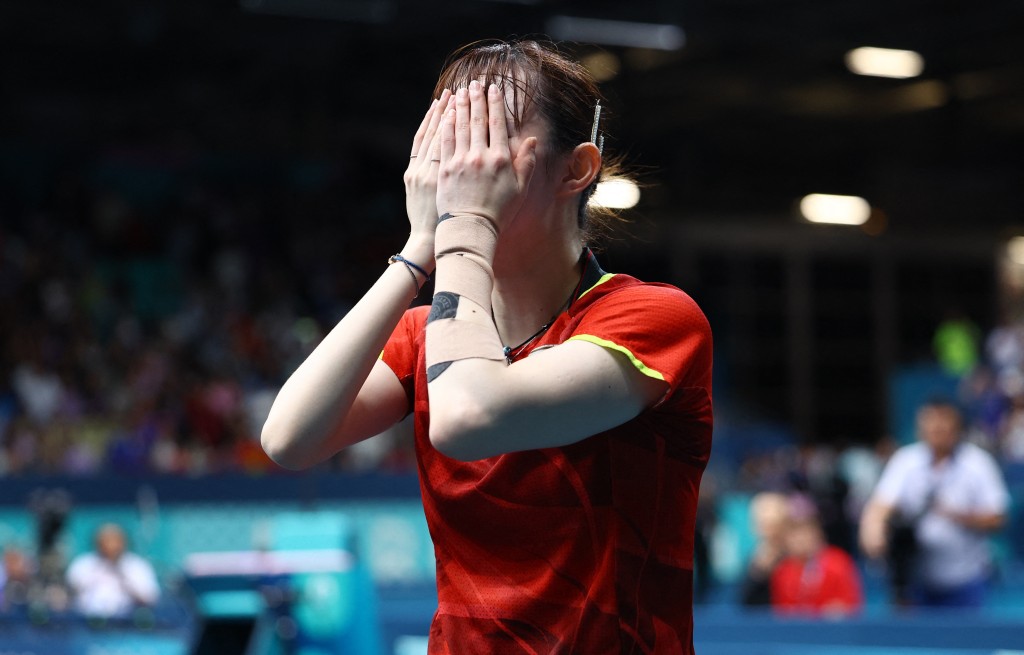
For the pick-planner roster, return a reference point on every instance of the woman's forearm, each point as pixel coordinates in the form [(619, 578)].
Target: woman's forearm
[(310, 418)]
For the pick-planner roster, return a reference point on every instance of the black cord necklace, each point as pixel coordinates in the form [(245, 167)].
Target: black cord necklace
[(511, 352)]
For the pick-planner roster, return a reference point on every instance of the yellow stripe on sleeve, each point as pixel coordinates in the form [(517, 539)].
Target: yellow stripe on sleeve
[(611, 345)]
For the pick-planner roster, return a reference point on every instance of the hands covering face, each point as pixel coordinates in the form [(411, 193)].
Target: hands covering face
[(478, 172)]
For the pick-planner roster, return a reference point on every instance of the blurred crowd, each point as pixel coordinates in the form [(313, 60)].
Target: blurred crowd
[(918, 515), (922, 515), (151, 338), (107, 582), (993, 394)]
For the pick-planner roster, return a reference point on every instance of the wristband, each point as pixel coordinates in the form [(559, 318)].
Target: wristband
[(409, 266)]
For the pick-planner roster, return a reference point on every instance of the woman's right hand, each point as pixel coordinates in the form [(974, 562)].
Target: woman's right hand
[(421, 175)]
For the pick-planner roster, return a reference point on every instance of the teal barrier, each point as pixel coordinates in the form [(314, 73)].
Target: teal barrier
[(387, 539), (391, 536), (308, 594)]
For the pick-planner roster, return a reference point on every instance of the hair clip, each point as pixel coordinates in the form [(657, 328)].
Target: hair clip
[(596, 139)]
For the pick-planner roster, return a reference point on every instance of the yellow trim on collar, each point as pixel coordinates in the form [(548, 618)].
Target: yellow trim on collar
[(604, 278), (611, 345)]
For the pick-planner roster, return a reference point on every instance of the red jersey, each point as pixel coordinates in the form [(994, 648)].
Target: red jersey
[(828, 583), (585, 548)]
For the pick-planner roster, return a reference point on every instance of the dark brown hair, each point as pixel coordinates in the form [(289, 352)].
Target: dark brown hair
[(563, 91)]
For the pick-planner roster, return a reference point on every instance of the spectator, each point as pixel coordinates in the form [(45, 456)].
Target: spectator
[(948, 495), (769, 513), (814, 578), (16, 578), (110, 582)]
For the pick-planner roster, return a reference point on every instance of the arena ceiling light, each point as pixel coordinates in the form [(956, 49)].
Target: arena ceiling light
[(835, 210), (628, 34), (616, 194), (885, 62), (602, 65), (1015, 250)]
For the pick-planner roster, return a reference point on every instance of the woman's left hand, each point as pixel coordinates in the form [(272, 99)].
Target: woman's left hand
[(478, 173)]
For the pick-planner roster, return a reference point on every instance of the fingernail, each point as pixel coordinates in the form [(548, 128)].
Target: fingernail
[(474, 85), (493, 89), (462, 92)]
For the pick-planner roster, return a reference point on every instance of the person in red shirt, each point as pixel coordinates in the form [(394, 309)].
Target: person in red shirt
[(562, 414), (815, 578)]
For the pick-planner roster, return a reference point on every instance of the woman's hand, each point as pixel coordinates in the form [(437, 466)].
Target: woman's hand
[(421, 175), (479, 175)]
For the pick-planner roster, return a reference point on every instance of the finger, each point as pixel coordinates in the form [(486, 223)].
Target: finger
[(435, 148), (496, 112), (461, 121), (435, 120), (447, 133), (418, 139), (477, 116), (432, 153)]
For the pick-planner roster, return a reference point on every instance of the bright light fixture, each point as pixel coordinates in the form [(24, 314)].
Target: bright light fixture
[(885, 62), (603, 66), (836, 210), (616, 194), (1015, 250)]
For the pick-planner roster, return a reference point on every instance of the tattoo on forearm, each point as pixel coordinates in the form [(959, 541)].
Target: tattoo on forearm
[(445, 305), (436, 370), (444, 217)]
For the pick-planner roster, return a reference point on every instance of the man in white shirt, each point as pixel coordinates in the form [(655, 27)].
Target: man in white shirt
[(952, 494), (111, 582)]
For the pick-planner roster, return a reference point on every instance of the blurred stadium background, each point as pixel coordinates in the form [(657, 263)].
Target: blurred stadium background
[(193, 192)]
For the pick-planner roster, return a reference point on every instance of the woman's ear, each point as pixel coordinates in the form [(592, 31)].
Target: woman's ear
[(583, 167)]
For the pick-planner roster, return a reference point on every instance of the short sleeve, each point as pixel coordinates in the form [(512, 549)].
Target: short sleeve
[(890, 485), (659, 328), (77, 575), (142, 579), (402, 348), (993, 496)]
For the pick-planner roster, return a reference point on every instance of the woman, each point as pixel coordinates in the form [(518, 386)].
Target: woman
[(562, 414), (814, 578)]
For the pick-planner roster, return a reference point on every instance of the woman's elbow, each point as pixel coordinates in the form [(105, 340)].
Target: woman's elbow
[(280, 447), (459, 431)]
